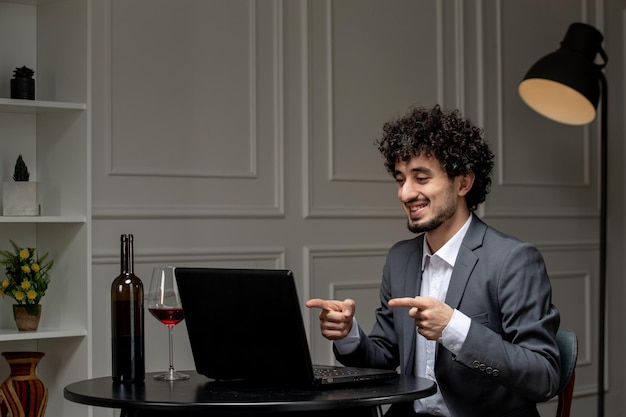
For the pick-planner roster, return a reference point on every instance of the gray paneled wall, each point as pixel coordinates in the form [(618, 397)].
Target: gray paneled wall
[(241, 133)]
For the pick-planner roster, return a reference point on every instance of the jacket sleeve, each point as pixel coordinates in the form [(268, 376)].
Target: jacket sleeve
[(386, 346), (512, 340)]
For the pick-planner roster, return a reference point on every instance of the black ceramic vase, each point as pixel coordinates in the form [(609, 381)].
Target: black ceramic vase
[(23, 88)]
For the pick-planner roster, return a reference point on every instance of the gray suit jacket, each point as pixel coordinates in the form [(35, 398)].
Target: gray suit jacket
[(510, 359)]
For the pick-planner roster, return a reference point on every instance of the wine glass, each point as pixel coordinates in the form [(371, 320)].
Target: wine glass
[(164, 304)]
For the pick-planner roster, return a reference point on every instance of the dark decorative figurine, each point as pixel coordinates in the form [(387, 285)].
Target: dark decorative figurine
[(21, 171)]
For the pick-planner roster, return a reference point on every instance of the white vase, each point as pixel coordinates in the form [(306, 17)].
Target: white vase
[(19, 198)]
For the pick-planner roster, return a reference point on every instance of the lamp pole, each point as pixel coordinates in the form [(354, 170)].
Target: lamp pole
[(603, 240)]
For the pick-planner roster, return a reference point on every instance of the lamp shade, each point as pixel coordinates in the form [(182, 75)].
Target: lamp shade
[(565, 85)]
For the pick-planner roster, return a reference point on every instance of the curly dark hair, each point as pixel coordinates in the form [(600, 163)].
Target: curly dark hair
[(448, 137)]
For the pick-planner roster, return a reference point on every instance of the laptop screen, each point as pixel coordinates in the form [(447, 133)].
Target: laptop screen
[(245, 324)]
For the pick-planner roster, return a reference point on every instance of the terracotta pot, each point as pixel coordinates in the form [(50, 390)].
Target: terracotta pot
[(27, 316), (23, 393)]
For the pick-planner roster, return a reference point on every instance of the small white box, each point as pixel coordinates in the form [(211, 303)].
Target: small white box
[(19, 198)]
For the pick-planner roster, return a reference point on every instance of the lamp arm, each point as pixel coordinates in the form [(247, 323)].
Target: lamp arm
[(605, 58)]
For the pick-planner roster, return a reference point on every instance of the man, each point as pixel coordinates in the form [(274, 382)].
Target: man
[(482, 324)]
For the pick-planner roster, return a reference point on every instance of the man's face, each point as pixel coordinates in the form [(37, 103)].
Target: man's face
[(427, 194)]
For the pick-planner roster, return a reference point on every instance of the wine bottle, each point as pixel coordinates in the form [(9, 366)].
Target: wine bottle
[(127, 319)]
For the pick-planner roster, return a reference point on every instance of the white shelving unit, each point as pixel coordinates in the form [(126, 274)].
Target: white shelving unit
[(52, 133)]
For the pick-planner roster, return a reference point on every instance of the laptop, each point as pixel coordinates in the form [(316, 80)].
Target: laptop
[(246, 324)]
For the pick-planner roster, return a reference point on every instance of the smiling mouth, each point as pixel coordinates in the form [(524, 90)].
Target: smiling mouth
[(415, 209)]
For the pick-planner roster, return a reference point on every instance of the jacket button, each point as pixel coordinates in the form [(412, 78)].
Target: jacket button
[(489, 370), (476, 364), (482, 367), (495, 372)]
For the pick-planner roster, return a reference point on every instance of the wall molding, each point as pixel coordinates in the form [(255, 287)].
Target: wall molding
[(196, 255), (275, 209)]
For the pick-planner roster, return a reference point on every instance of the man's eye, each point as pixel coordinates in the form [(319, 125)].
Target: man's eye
[(399, 180)]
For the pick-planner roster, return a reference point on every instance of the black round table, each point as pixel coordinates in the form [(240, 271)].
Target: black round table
[(199, 395)]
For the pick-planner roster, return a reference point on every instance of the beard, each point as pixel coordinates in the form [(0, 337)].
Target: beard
[(446, 212)]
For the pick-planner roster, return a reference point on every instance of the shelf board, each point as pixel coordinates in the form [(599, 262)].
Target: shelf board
[(7, 335), (37, 106), (43, 219), (28, 2)]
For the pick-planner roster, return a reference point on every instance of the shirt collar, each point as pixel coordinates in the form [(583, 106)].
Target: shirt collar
[(449, 251)]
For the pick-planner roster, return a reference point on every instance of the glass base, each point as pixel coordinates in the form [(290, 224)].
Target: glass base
[(171, 375)]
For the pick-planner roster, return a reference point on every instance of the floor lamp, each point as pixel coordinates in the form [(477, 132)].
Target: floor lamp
[(565, 86)]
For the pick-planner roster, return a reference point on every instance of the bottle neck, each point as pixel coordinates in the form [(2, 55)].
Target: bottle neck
[(127, 256)]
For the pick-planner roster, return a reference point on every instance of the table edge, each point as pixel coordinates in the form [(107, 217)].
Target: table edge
[(291, 406)]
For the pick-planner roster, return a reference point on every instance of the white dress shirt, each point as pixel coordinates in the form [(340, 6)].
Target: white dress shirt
[(436, 273)]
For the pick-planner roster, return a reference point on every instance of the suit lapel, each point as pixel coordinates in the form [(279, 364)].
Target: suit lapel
[(412, 285), (413, 278), (465, 261)]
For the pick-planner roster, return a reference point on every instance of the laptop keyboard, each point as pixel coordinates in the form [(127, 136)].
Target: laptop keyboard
[(332, 372)]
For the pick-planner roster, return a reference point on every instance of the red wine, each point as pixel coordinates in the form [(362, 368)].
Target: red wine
[(127, 320), (168, 316)]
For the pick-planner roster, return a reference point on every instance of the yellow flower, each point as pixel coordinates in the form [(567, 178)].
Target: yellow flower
[(26, 274)]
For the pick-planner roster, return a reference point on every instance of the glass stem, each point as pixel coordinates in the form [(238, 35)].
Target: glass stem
[(171, 347)]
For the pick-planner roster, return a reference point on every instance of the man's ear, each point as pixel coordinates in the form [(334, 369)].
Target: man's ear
[(466, 181)]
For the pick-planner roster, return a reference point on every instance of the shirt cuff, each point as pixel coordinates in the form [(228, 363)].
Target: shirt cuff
[(455, 332), (349, 343)]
